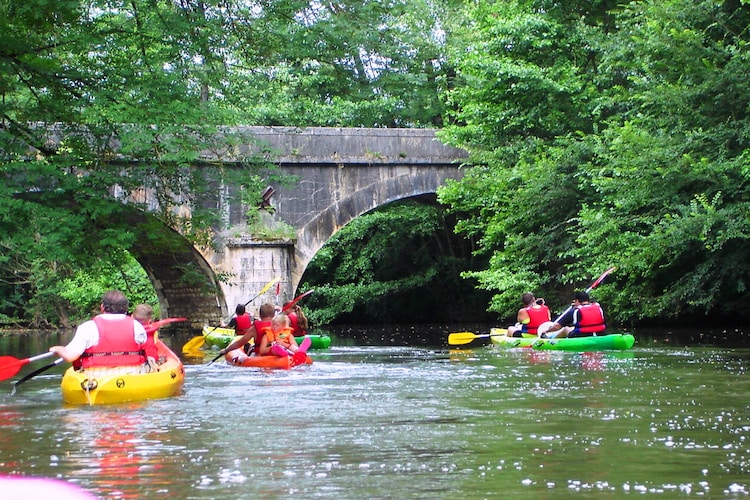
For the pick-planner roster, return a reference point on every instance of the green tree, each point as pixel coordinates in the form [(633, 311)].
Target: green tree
[(102, 103), (607, 135)]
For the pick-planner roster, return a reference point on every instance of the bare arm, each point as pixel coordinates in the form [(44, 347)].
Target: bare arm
[(249, 334)]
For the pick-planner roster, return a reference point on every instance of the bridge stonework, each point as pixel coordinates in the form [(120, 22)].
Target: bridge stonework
[(341, 174)]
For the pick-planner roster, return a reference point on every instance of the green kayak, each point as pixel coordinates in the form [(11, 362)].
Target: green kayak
[(617, 342), (219, 338)]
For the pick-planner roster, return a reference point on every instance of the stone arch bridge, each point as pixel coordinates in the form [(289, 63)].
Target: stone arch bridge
[(341, 173)]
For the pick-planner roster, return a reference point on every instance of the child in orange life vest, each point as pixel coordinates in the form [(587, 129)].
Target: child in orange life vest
[(278, 339)]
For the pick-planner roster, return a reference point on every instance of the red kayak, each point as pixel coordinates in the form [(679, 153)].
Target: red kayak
[(237, 357)]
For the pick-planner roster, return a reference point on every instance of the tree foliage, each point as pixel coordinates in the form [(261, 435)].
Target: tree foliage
[(398, 264), (105, 104), (607, 135)]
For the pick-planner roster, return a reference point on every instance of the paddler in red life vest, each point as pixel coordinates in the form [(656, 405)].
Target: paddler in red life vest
[(584, 319), (254, 333), (297, 320), (143, 313), (112, 338), (533, 313)]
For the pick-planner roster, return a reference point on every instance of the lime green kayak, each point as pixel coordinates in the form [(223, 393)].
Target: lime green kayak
[(219, 338), (617, 342)]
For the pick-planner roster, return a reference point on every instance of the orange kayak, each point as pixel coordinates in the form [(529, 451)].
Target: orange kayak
[(238, 357)]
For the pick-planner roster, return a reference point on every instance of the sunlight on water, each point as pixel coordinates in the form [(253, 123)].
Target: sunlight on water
[(404, 422)]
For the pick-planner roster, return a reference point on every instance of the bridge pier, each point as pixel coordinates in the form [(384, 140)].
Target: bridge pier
[(250, 265)]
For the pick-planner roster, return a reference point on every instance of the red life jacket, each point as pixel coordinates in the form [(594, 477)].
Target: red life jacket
[(260, 326), (589, 318), (116, 346), (243, 324), (537, 316), (294, 324)]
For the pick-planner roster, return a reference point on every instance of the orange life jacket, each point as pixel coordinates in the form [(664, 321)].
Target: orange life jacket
[(283, 337), (260, 330)]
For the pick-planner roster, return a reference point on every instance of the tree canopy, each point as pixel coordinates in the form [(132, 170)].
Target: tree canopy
[(109, 103), (601, 133), (607, 135)]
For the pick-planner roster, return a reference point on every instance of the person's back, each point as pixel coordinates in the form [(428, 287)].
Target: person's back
[(582, 319), (533, 313), (112, 338), (266, 312)]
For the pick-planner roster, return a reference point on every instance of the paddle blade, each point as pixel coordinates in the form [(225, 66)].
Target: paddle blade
[(152, 327), (9, 366), (461, 338), (297, 299), (600, 279), (193, 344), (268, 286)]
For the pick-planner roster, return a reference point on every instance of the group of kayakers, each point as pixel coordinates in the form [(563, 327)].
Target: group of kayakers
[(582, 319), (115, 339), (274, 332)]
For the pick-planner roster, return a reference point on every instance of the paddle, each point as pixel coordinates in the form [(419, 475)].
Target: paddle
[(196, 342), (9, 365), (297, 299), (460, 338), (155, 325), (36, 372)]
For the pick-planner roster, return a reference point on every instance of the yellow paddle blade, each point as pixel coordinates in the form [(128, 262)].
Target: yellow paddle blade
[(193, 344), (267, 287), (462, 338)]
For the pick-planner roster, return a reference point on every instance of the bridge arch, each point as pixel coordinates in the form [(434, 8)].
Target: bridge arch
[(313, 235), (340, 174)]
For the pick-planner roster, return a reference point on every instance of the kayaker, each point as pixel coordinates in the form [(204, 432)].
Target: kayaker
[(583, 319), (111, 338), (533, 313), (241, 322), (278, 339), (297, 320), (266, 313), (143, 313)]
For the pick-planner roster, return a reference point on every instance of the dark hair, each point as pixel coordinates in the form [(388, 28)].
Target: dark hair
[(581, 296), (114, 301), (527, 298), (240, 309)]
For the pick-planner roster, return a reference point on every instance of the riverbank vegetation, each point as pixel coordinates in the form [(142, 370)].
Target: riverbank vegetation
[(601, 134)]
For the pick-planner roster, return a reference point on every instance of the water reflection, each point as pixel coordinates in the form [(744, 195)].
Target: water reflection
[(390, 421), (114, 450)]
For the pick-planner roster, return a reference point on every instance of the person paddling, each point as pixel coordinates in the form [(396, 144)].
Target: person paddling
[(253, 333), (533, 313), (583, 319), (110, 339)]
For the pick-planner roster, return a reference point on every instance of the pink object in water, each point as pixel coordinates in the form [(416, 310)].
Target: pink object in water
[(37, 488)]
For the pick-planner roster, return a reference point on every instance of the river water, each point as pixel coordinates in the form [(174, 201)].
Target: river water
[(396, 421)]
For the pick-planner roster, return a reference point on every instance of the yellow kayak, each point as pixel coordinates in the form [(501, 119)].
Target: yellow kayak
[(119, 384)]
